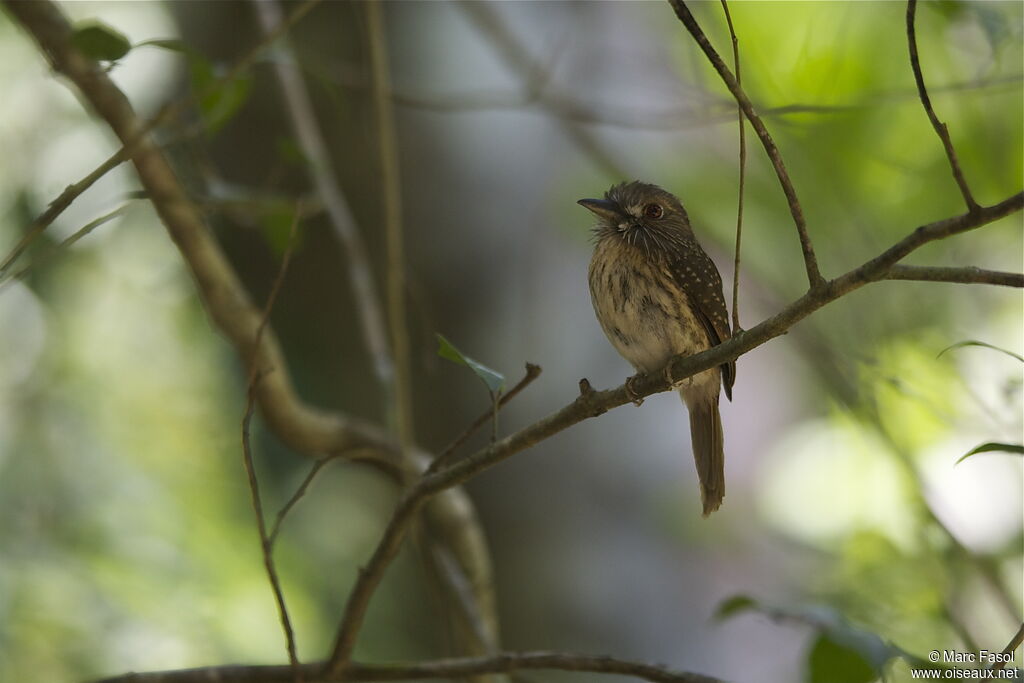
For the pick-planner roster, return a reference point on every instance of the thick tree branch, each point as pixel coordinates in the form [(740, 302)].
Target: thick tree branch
[(810, 260), (301, 426), (939, 126), (507, 662)]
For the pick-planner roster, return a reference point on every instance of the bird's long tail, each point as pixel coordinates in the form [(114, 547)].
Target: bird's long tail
[(708, 450)]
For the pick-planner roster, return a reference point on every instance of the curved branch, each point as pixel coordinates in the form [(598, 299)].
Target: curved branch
[(302, 427), (939, 126), (506, 662), (810, 260)]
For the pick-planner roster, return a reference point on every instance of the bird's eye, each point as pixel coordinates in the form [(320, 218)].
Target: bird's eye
[(653, 211)]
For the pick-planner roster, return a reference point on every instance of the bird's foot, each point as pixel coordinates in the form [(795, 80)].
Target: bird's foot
[(631, 391), (676, 383)]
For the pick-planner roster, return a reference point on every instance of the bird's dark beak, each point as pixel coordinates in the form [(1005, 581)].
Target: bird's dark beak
[(602, 208)]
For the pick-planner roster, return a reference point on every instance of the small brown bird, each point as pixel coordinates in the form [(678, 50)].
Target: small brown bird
[(657, 295)]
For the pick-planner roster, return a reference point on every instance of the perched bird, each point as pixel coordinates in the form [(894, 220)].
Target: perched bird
[(657, 295)]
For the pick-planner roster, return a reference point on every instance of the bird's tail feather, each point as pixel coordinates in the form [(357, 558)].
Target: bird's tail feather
[(708, 451)]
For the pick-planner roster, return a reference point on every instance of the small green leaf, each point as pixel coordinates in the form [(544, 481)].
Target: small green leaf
[(494, 380), (101, 42), (734, 605), (217, 103), (830, 661), (993, 447), (975, 342), (167, 44)]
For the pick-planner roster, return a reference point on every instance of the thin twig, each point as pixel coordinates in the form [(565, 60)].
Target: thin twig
[(532, 373), (392, 205), (814, 277), (967, 275), (57, 207), (299, 493), (939, 126), (67, 242), (743, 175), (321, 170), (266, 544), (131, 143), (515, 54), (1014, 643), (505, 662)]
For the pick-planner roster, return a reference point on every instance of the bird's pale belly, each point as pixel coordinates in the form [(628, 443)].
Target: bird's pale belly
[(647, 317)]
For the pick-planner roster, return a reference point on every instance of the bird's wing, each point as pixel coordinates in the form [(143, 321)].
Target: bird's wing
[(697, 275)]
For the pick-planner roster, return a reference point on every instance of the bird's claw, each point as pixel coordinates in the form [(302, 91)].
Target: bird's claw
[(673, 382), (631, 391)]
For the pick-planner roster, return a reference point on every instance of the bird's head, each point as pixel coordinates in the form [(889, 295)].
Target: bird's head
[(641, 214)]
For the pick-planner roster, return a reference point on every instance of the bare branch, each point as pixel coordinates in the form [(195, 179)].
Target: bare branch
[(939, 126), (591, 403), (57, 207), (814, 277), (266, 545), (1014, 643), (743, 176), (391, 194), (514, 53), (165, 114), (299, 425), (506, 662), (967, 275), (67, 242), (532, 373), (299, 493), (310, 139)]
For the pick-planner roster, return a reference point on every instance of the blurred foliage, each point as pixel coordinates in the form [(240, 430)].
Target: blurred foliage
[(126, 539)]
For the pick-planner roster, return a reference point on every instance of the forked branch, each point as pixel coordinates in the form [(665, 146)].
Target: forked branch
[(814, 277)]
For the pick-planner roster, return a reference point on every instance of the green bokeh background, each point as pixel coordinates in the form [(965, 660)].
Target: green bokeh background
[(126, 534)]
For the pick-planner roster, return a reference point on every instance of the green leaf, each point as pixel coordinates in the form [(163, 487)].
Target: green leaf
[(171, 44), (975, 342), (831, 661), (101, 42), (993, 447), (494, 380), (218, 103), (737, 604)]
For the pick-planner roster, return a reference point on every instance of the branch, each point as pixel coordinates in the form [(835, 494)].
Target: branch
[(57, 207), (507, 662), (266, 544), (300, 426), (391, 194), (967, 275), (592, 403), (516, 55), (814, 277), (1014, 643), (443, 458), (166, 113), (310, 139), (5, 280), (939, 126), (743, 176)]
